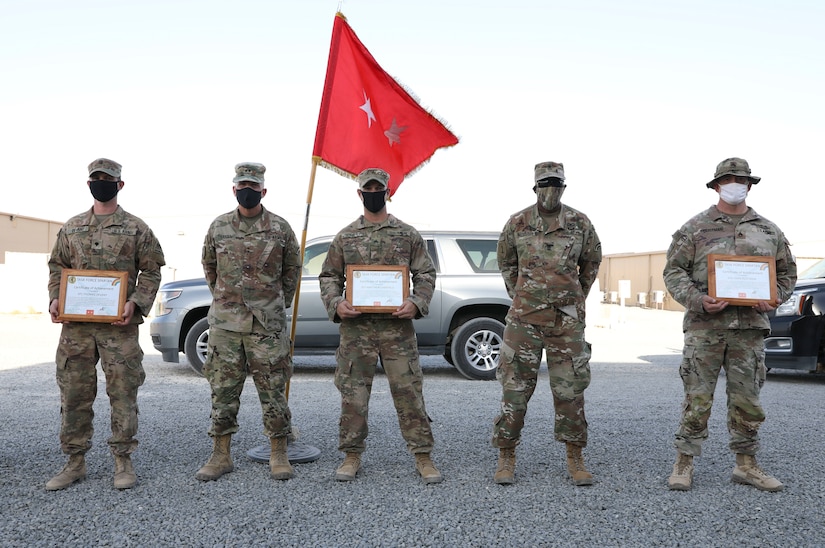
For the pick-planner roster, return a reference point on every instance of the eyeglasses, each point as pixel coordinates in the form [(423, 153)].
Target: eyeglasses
[(104, 181), (550, 181)]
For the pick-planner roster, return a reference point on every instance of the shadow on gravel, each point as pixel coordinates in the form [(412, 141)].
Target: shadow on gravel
[(791, 376)]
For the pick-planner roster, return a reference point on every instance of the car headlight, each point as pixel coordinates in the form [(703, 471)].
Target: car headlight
[(793, 306), (162, 307)]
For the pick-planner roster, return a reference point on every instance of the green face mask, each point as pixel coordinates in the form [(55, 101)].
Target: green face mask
[(549, 197)]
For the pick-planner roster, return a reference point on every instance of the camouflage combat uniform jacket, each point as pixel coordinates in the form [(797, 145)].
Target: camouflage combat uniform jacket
[(391, 242), (686, 269), (548, 267), (121, 242), (251, 274)]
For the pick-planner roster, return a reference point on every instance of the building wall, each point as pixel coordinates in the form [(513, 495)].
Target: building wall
[(26, 234), (25, 244)]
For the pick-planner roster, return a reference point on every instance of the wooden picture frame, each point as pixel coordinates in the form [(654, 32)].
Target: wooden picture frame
[(92, 295), (742, 280), (377, 288)]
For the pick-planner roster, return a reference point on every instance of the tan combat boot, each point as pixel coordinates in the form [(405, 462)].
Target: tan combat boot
[(682, 477), (749, 473), (505, 471), (425, 467), (220, 462), (575, 466), (125, 477), (279, 467), (75, 470), (348, 468)]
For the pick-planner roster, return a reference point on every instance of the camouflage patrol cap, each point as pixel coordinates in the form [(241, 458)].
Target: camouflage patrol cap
[(106, 166), (733, 166), (373, 174), (249, 171), (545, 170)]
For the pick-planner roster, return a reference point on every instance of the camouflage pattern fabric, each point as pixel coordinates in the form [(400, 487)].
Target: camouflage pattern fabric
[(686, 269), (252, 269), (81, 346), (391, 242), (252, 274), (549, 264), (741, 353), (120, 242), (568, 364), (732, 338), (266, 357), (363, 339)]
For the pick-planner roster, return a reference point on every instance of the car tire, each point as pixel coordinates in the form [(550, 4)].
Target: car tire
[(195, 345), (476, 348)]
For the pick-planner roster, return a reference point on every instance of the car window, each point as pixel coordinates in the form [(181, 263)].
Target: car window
[(433, 254), (314, 257), (481, 254), (817, 270)]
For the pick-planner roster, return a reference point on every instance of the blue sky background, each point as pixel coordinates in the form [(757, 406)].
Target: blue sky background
[(639, 99)]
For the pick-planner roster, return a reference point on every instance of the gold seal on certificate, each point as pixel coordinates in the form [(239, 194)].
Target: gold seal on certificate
[(92, 295), (742, 279), (377, 288)]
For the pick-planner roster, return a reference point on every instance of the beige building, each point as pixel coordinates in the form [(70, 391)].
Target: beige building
[(25, 244)]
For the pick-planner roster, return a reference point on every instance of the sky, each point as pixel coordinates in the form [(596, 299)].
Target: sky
[(640, 100)]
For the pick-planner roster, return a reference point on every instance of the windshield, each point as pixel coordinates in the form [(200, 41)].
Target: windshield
[(817, 270)]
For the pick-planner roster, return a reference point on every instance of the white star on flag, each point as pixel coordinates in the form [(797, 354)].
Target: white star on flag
[(367, 108)]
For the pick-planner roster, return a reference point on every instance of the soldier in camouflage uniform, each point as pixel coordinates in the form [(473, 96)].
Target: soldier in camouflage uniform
[(549, 256), (378, 238), (719, 334), (103, 238), (252, 264)]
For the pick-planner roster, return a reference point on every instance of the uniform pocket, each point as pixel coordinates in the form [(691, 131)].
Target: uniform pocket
[(688, 366)]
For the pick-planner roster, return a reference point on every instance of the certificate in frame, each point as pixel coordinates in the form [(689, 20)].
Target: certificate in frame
[(377, 288), (742, 280), (92, 295)]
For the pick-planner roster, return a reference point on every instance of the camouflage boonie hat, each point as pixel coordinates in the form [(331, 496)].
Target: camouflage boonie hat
[(373, 174), (545, 170), (733, 166), (249, 171), (106, 166)]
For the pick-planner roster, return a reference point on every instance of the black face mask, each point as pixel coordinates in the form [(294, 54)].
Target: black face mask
[(374, 201), (103, 191), (247, 197)]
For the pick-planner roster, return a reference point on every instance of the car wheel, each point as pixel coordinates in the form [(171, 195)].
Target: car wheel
[(476, 348), (196, 343)]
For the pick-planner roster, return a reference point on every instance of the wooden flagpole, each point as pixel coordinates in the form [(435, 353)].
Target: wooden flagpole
[(315, 161)]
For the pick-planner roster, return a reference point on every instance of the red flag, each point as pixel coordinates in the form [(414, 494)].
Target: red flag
[(367, 119)]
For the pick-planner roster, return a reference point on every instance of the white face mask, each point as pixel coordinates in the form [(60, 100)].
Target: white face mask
[(733, 193)]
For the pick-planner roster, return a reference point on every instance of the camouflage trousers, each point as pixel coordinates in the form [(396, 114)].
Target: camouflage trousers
[(230, 357), (568, 364), (81, 346), (741, 353), (363, 340)]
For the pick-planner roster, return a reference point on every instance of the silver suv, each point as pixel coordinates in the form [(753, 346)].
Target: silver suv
[(465, 323)]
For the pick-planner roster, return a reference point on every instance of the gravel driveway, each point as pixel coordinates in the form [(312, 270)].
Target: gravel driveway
[(633, 405)]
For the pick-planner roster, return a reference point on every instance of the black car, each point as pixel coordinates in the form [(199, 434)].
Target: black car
[(797, 337)]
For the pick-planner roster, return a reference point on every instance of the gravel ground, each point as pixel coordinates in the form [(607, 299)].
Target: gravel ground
[(633, 406)]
